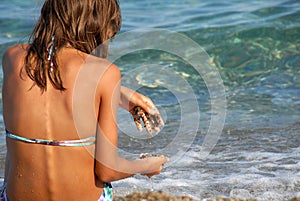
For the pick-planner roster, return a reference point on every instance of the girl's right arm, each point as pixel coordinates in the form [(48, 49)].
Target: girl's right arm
[(109, 166)]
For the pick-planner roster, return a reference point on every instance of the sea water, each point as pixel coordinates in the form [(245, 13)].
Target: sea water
[(246, 55)]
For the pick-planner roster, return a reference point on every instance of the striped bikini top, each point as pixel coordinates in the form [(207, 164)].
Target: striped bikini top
[(67, 143)]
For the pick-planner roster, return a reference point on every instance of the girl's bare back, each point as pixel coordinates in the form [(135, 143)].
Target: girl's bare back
[(50, 115)]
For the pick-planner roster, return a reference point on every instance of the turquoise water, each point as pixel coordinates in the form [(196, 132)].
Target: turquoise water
[(255, 47)]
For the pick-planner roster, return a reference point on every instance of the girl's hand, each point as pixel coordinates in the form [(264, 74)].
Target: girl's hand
[(142, 109), (155, 165)]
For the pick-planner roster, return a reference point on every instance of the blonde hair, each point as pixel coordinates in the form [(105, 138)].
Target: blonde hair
[(82, 24)]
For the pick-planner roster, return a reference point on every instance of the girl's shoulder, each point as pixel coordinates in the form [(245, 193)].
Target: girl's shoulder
[(13, 56), (19, 48), (107, 67), (14, 53)]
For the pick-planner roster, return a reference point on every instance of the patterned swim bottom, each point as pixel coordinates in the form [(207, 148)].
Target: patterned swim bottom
[(107, 194)]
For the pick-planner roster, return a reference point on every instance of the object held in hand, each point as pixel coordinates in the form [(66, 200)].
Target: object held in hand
[(151, 121), (147, 155)]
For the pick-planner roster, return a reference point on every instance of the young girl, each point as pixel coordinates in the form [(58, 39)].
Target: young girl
[(57, 96)]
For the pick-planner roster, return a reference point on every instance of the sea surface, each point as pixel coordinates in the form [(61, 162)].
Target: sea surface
[(226, 78)]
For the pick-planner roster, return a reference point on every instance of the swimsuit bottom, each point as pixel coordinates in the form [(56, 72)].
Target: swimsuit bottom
[(107, 194)]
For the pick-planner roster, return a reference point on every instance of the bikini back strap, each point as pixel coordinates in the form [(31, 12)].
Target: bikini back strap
[(67, 143)]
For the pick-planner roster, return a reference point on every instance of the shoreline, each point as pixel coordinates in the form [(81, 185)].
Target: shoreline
[(161, 196)]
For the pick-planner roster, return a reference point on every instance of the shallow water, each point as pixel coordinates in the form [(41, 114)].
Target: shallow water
[(254, 46)]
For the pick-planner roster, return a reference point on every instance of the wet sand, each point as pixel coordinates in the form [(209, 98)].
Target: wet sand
[(160, 196)]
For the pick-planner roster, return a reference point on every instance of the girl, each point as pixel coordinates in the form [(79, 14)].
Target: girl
[(57, 96)]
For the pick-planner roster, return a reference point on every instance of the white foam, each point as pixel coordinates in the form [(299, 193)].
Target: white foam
[(262, 175), (240, 193), (272, 196)]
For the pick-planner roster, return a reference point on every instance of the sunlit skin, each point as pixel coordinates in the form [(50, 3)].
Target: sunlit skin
[(39, 172)]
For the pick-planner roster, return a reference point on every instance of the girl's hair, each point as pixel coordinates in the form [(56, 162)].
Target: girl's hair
[(81, 24)]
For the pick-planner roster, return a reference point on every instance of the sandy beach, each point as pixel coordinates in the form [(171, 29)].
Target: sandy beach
[(161, 196)]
